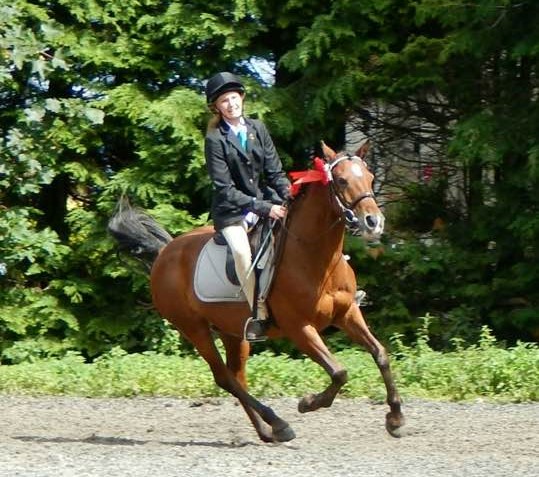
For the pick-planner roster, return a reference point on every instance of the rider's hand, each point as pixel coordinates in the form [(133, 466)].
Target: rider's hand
[(277, 212)]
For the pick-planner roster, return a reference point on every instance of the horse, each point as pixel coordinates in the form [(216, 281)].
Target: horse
[(313, 287)]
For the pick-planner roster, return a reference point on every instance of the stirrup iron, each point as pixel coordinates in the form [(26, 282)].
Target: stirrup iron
[(258, 330)]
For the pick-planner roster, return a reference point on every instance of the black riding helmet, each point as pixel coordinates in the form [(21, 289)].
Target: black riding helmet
[(222, 83)]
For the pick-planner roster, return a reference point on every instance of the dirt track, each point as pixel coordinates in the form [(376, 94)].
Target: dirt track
[(163, 437)]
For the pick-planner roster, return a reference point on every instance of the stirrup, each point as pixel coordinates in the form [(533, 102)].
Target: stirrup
[(255, 329)]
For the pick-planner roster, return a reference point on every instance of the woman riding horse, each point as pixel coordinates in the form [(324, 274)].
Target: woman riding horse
[(313, 288), (239, 155)]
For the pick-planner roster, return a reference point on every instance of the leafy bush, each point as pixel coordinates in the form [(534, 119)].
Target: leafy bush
[(483, 370)]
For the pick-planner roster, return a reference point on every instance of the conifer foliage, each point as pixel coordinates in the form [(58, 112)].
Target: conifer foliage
[(101, 99)]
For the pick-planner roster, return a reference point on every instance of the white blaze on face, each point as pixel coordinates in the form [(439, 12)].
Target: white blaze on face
[(356, 170)]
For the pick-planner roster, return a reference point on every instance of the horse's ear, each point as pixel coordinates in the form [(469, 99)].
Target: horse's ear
[(363, 149), (329, 153)]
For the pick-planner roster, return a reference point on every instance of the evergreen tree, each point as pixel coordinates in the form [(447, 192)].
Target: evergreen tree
[(99, 99), (468, 70)]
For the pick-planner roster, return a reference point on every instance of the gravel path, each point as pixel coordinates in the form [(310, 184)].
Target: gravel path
[(162, 437)]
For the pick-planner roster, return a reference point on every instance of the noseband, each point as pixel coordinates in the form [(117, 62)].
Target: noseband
[(347, 208)]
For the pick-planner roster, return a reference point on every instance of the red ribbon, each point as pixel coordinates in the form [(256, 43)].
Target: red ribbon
[(318, 174)]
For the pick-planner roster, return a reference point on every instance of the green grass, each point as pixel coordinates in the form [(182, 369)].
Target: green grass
[(484, 370)]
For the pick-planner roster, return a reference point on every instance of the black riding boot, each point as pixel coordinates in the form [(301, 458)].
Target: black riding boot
[(255, 329), (256, 326)]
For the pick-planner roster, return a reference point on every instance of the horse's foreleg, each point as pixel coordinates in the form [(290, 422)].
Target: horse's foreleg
[(203, 341), (356, 328), (309, 342), (237, 354)]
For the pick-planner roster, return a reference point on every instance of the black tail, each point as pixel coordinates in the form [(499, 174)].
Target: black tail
[(136, 232)]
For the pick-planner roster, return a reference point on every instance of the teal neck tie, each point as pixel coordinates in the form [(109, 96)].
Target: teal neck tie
[(242, 138)]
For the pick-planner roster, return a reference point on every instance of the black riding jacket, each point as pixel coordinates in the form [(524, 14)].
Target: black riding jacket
[(243, 181)]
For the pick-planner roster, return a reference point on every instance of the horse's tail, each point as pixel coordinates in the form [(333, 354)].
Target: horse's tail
[(137, 233)]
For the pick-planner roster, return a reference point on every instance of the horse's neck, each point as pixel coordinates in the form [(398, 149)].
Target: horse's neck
[(315, 225)]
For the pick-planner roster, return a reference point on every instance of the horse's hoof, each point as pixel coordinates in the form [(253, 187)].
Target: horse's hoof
[(284, 434), (306, 403), (266, 436), (394, 425)]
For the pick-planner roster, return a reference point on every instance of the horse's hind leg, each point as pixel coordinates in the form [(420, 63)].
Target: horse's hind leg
[(356, 328), (237, 354), (202, 339)]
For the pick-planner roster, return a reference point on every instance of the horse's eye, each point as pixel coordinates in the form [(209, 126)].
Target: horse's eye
[(342, 183)]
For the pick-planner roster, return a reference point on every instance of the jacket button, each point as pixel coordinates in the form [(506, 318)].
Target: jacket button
[(251, 180)]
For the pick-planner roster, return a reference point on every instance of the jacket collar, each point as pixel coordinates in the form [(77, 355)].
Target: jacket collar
[(231, 137)]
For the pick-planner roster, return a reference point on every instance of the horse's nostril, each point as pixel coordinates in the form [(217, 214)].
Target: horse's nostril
[(371, 221)]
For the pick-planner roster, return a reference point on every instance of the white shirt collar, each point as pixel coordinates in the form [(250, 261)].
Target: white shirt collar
[(240, 127)]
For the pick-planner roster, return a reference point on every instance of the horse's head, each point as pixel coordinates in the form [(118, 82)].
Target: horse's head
[(351, 182)]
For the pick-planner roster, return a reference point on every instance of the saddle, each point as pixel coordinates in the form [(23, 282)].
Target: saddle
[(215, 277)]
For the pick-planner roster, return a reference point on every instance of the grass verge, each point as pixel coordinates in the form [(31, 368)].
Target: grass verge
[(484, 370)]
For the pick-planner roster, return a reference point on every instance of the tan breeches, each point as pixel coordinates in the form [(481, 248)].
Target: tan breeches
[(236, 237)]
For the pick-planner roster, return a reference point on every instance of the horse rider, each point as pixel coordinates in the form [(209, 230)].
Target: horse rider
[(243, 166)]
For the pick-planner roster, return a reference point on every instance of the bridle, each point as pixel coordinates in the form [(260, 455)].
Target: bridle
[(346, 207)]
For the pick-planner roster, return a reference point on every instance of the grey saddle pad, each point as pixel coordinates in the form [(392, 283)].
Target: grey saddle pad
[(211, 282)]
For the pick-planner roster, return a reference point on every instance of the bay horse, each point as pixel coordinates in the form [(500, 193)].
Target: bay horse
[(314, 287)]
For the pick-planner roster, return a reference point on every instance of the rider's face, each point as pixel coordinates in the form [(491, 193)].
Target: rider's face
[(230, 105)]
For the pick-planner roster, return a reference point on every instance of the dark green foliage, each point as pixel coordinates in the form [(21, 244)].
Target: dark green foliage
[(100, 118), (101, 99), (422, 206), (408, 278)]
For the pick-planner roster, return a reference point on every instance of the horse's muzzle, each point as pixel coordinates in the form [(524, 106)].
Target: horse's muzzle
[(370, 226)]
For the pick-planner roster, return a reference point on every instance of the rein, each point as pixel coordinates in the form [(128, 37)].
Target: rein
[(315, 239)]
